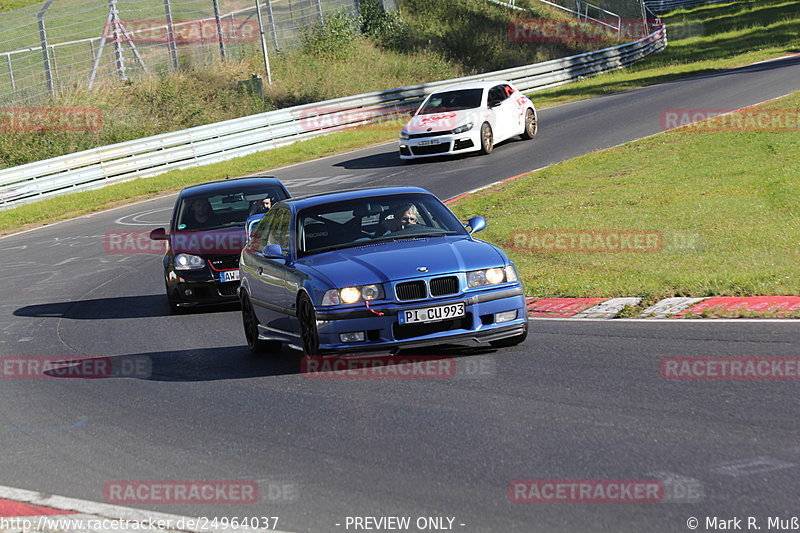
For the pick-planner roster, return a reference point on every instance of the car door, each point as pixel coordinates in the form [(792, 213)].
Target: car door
[(268, 287), (504, 111)]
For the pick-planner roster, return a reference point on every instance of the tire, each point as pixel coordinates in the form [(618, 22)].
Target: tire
[(307, 318), (487, 139), (511, 341), (250, 323), (531, 125)]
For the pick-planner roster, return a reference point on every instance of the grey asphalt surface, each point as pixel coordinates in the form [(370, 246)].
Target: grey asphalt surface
[(578, 400)]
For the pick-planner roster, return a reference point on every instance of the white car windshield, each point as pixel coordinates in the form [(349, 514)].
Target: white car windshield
[(452, 101)]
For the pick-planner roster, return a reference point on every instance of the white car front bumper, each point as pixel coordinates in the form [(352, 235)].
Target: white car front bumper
[(449, 143)]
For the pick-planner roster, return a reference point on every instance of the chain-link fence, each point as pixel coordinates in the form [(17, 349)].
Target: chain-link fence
[(51, 47)]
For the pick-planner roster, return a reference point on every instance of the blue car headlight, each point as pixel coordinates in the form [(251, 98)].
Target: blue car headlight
[(491, 276), (465, 127), (189, 262), (351, 295), (403, 134)]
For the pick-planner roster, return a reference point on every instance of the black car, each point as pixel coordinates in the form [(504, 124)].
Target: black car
[(207, 233)]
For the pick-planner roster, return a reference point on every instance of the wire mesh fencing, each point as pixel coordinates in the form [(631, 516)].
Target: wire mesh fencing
[(49, 48)]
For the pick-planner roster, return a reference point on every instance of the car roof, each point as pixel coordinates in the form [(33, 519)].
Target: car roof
[(473, 85), (301, 202), (231, 184)]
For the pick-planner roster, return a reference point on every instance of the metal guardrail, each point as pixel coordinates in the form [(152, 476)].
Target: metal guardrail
[(222, 141), (662, 6)]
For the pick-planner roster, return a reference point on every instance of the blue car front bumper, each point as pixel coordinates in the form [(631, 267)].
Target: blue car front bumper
[(476, 327)]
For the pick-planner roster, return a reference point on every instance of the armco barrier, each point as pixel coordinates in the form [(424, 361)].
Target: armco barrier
[(226, 140), (662, 6)]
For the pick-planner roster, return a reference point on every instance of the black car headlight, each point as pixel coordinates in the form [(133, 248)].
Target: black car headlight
[(404, 134), (491, 276), (465, 127), (351, 295), (189, 262)]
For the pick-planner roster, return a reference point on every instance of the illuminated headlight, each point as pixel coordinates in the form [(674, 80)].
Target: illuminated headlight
[(465, 127), (188, 262), (489, 276), (351, 295), (403, 134)]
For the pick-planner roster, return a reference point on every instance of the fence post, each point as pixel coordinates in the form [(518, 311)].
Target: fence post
[(219, 30), (263, 43), (55, 65), (319, 12), (48, 75), (173, 50), (119, 58), (11, 72), (271, 18)]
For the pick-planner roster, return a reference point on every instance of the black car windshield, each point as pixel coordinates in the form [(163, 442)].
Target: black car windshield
[(373, 219), (226, 208), (452, 101)]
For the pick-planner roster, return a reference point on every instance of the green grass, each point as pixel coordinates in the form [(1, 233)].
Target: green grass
[(725, 202), (701, 40)]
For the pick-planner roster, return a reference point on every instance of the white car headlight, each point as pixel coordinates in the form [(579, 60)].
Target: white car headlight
[(351, 295), (488, 276), (465, 127), (189, 262), (404, 134)]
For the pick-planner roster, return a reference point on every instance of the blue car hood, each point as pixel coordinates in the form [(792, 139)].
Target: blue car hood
[(397, 260)]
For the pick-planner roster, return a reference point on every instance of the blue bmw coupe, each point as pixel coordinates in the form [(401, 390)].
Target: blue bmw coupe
[(375, 270)]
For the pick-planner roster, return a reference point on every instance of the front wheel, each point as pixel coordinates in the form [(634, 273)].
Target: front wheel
[(308, 326), (487, 139), (531, 124), (250, 323)]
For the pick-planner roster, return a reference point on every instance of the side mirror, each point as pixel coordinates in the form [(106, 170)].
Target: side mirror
[(412, 112), (274, 251), (476, 224), (159, 234)]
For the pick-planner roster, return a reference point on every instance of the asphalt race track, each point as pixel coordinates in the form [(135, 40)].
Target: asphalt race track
[(578, 400)]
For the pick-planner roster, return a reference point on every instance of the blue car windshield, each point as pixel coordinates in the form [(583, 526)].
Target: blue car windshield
[(225, 208), (452, 101), (372, 220)]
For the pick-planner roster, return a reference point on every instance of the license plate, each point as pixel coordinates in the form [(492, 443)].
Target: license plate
[(433, 314), (229, 275), (429, 142)]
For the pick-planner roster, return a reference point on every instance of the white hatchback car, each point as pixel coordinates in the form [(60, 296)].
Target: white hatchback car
[(468, 117)]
